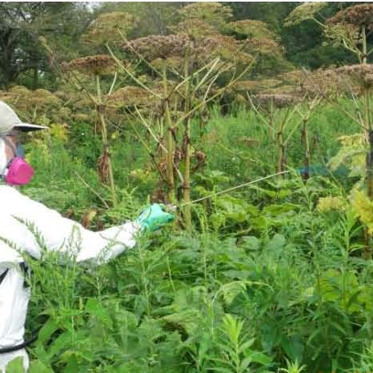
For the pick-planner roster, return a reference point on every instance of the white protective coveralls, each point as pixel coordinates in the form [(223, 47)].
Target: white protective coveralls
[(20, 218)]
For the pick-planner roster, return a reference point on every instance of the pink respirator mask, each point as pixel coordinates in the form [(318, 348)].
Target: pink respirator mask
[(18, 171)]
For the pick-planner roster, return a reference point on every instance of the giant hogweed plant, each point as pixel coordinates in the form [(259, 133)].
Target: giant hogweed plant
[(188, 66), (186, 69), (87, 74), (283, 115)]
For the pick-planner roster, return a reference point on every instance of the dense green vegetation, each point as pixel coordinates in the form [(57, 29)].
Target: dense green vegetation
[(181, 103), (265, 281)]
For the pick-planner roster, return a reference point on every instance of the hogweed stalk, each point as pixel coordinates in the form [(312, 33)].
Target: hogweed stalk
[(187, 143), (96, 66), (267, 107)]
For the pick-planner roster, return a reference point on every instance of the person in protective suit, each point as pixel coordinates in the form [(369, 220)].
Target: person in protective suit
[(18, 214)]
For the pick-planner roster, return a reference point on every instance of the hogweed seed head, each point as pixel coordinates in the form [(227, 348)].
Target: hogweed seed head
[(358, 15), (361, 74), (129, 96), (321, 82), (194, 28), (252, 29), (174, 46), (278, 100), (303, 12), (215, 14), (263, 46), (158, 46), (92, 65), (108, 27)]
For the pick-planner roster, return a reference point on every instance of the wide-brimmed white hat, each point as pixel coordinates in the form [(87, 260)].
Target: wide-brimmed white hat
[(9, 120)]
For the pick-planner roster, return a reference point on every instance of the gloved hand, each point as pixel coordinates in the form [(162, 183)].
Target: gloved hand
[(154, 217)]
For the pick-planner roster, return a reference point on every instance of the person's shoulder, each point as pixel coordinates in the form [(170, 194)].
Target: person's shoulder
[(8, 193), (14, 203)]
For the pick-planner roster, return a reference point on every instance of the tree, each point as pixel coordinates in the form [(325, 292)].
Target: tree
[(22, 24)]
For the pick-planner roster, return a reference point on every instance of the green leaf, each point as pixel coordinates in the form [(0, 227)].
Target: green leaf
[(277, 243), (250, 243), (246, 345), (36, 366), (15, 366), (260, 358), (278, 209), (97, 309), (293, 347), (47, 330), (231, 290)]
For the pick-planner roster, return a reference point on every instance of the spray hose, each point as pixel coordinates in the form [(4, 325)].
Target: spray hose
[(173, 207)]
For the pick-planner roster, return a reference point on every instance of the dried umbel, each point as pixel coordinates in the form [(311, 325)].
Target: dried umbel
[(38, 106), (81, 117), (63, 113), (92, 65), (205, 49), (285, 89), (215, 14), (44, 98), (252, 29), (263, 46), (108, 27), (325, 82), (316, 83), (303, 12), (194, 28), (361, 74), (358, 15), (27, 100), (277, 100), (342, 33), (156, 46), (129, 96), (174, 62), (293, 77), (224, 47)]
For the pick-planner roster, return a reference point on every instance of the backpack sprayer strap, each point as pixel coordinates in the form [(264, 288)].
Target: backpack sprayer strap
[(5, 350), (2, 276)]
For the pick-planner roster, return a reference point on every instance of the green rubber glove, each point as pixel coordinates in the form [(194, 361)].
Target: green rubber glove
[(154, 217)]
